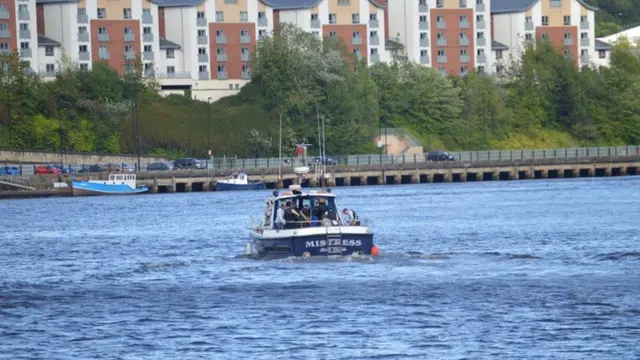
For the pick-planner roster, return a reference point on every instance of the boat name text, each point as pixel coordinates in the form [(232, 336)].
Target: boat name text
[(333, 242)]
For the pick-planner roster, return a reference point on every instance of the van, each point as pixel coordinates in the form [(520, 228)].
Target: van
[(188, 163), (439, 156)]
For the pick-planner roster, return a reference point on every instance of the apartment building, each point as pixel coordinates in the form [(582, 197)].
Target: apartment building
[(568, 24), (452, 36), (360, 24), (18, 30)]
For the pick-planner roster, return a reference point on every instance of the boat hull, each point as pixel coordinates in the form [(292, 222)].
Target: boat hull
[(220, 186), (319, 243), (83, 188)]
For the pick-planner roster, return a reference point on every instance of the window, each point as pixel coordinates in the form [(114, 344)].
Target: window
[(4, 46), (355, 18), (332, 34), (463, 4), (440, 52), (439, 3), (374, 51), (424, 52), (244, 16), (566, 19), (103, 52), (126, 13), (202, 68), (356, 34), (314, 17), (344, 2), (146, 30), (545, 20), (567, 52), (4, 27), (171, 69), (23, 8), (545, 36), (316, 33), (584, 19), (24, 45), (50, 68), (479, 18), (373, 17), (463, 52), (567, 35), (24, 26), (528, 19), (202, 51), (171, 54), (332, 18), (220, 33), (219, 16), (128, 31), (423, 18), (440, 19), (602, 54), (200, 15), (148, 48), (146, 12), (373, 34), (4, 8), (102, 13), (528, 37), (82, 30), (221, 68), (128, 48), (48, 50), (220, 51), (498, 54), (202, 33), (480, 52), (102, 30), (82, 48), (84, 67)]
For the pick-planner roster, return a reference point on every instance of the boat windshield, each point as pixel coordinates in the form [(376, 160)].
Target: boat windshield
[(310, 203)]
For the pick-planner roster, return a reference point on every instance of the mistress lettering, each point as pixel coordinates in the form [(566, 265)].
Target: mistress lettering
[(332, 242)]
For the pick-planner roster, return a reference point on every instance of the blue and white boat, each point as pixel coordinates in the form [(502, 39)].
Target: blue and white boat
[(118, 184), (322, 236), (239, 181)]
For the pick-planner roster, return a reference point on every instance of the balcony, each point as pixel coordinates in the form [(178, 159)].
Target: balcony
[(48, 73), (423, 8), (584, 42), (529, 42), (480, 7), (83, 37), (481, 25), (244, 56), (424, 60), (374, 58), (201, 22), (441, 25), (84, 56), (556, 3), (148, 56), (425, 42), (584, 59), (356, 40), (147, 37), (482, 58), (222, 75), (25, 34), (263, 22), (24, 15), (481, 41), (246, 75), (464, 59), (442, 59), (221, 57), (528, 26), (4, 15), (128, 37), (149, 73), (584, 25), (5, 34), (82, 18), (129, 55), (203, 58), (5, 52), (441, 42), (174, 75), (464, 24), (147, 19), (568, 42), (315, 24), (374, 41), (221, 39), (245, 39), (103, 55), (25, 53), (203, 75), (374, 23), (203, 40), (424, 25), (103, 37), (464, 41)]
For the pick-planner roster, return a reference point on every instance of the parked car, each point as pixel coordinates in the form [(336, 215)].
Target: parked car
[(64, 169), (324, 160), (41, 170), (128, 168), (92, 169), (9, 170), (160, 166), (440, 156), (188, 163), (52, 169)]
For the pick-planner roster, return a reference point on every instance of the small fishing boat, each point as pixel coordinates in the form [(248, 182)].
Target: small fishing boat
[(238, 181), (319, 232), (118, 184)]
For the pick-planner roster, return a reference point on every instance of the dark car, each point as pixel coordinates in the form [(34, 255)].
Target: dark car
[(92, 169), (188, 163), (323, 160), (159, 166), (440, 156)]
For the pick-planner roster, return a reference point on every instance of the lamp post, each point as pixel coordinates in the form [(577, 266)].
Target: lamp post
[(379, 117), (210, 152), (59, 113)]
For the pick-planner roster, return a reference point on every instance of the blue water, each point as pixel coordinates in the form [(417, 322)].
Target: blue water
[(497, 270)]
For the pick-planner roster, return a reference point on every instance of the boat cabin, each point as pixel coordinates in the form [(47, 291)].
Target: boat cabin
[(122, 177), (237, 178), (313, 206)]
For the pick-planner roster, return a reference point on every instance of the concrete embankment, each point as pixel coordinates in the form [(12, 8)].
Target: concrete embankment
[(408, 173), (41, 157)]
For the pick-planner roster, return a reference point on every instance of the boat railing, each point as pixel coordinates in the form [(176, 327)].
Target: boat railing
[(321, 223)]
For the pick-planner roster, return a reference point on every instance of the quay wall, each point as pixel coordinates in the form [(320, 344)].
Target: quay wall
[(42, 157)]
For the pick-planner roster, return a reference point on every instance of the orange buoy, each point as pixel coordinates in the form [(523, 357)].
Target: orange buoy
[(375, 251)]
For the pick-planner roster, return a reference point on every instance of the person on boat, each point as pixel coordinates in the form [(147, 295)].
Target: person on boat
[(289, 216), (351, 218), (321, 209), (280, 221), (306, 216), (297, 213)]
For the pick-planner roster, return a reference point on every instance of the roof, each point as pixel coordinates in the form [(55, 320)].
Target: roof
[(513, 6), (498, 46), (166, 44), (276, 4), (55, 1), (601, 45), (45, 41)]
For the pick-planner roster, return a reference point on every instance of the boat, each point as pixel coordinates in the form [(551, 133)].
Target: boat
[(118, 184), (238, 181), (313, 237)]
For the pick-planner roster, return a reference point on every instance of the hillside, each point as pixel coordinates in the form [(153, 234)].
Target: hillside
[(616, 15)]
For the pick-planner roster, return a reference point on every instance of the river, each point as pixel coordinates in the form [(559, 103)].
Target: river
[(544, 269)]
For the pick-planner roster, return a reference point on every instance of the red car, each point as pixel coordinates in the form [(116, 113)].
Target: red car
[(47, 169)]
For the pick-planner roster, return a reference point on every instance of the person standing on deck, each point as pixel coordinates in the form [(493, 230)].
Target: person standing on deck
[(350, 217), (280, 217)]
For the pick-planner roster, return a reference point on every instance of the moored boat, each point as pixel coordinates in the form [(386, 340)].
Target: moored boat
[(239, 181), (320, 232), (117, 184)]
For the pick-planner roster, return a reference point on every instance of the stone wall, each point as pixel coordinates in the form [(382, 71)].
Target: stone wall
[(40, 157)]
